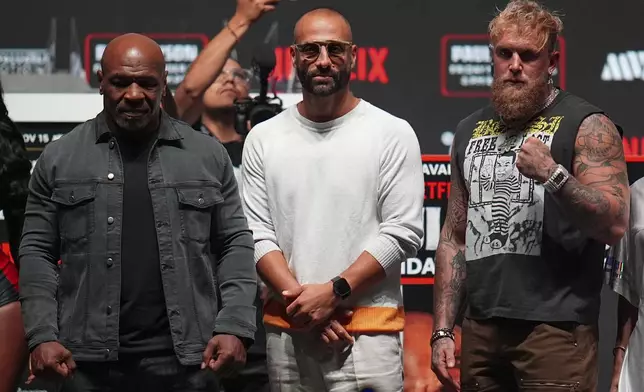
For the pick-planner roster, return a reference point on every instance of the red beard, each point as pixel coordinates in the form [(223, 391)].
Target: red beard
[(518, 102)]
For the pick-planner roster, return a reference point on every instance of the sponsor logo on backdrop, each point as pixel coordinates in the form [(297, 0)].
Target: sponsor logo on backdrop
[(624, 66), (179, 50), (26, 61), (466, 65), (370, 67), (420, 269), (633, 146)]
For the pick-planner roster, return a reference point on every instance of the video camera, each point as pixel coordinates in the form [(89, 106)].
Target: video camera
[(261, 108)]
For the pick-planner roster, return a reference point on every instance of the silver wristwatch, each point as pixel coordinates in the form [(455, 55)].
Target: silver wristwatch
[(557, 179)]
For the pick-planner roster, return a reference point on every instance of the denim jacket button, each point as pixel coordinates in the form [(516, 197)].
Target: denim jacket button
[(111, 144), (110, 220), (110, 262), (110, 176)]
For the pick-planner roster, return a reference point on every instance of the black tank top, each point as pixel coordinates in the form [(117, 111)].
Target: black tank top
[(525, 260)]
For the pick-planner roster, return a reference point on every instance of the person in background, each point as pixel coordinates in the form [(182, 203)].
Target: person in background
[(145, 215), (539, 186), (207, 67), (625, 274), (205, 99), (15, 170), (333, 191)]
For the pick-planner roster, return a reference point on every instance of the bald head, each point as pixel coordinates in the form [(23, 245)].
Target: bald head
[(133, 81), (322, 24), (132, 48)]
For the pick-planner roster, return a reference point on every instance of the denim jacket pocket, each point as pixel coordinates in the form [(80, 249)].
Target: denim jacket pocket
[(75, 209), (195, 209)]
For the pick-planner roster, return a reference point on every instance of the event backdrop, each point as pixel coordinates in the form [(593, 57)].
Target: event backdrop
[(425, 61)]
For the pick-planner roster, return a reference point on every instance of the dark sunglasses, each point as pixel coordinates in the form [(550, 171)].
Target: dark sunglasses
[(311, 50)]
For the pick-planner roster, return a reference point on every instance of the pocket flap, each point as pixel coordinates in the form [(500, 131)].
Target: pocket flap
[(200, 197), (71, 195)]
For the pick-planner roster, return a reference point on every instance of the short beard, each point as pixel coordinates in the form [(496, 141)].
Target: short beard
[(339, 81), (133, 125), (517, 104)]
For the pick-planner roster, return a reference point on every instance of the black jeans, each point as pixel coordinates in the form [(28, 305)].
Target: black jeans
[(132, 374), (253, 378)]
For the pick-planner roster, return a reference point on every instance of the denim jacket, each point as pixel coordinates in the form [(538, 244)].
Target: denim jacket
[(74, 214)]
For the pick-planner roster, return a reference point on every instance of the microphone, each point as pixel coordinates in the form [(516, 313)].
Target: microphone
[(263, 63)]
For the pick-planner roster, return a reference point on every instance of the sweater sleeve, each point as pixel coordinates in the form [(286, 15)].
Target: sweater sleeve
[(400, 199), (255, 199)]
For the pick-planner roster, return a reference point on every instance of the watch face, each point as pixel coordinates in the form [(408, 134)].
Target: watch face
[(559, 177), (341, 288)]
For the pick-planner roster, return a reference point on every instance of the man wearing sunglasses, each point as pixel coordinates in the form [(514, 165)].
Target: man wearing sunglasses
[(333, 191)]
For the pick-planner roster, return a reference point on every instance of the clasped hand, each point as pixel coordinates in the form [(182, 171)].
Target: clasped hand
[(312, 306)]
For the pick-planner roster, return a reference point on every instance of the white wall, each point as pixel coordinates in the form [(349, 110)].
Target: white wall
[(76, 108)]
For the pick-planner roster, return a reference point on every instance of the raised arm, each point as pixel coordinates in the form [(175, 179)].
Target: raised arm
[(205, 69), (596, 196), (449, 279)]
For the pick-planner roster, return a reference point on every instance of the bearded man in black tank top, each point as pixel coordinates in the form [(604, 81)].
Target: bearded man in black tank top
[(539, 187)]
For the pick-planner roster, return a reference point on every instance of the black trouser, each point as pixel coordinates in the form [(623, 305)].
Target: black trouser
[(140, 374), (253, 378)]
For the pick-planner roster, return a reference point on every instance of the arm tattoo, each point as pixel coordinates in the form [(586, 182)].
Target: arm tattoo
[(597, 197), (449, 289)]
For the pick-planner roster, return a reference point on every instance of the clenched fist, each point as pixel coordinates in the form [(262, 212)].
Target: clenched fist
[(251, 10), (535, 161), (51, 360)]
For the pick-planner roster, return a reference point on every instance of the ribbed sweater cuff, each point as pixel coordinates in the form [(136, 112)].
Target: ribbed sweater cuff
[(385, 251), (263, 247)]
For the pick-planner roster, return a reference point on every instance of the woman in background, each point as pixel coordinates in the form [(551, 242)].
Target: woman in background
[(15, 169)]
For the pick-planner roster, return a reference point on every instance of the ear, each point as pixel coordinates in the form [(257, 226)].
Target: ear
[(553, 62), (99, 75), (165, 82), (293, 54), (354, 53)]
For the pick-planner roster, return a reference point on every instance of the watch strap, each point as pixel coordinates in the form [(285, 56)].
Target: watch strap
[(557, 179), (442, 334)]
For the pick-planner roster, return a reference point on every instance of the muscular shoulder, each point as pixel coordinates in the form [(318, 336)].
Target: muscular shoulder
[(598, 139)]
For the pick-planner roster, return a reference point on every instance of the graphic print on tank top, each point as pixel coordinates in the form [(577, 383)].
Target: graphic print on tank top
[(505, 211)]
